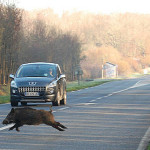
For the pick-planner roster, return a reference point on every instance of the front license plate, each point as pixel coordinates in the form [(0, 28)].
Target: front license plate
[(31, 94)]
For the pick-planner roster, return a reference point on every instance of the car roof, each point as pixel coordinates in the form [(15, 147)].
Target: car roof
[(40, 63)]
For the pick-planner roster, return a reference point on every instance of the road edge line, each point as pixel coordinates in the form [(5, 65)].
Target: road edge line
[(145, 140)]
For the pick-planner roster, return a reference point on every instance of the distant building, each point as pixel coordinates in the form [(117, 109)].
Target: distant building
[(110, 70)]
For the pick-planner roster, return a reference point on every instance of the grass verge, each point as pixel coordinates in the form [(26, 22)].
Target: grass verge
[(148, 148), (4, 94), (71, 86), (74, 86), (4, 99)]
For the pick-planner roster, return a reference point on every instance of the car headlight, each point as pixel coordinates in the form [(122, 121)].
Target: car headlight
[(13, 84), (50, 87), (52, 84)]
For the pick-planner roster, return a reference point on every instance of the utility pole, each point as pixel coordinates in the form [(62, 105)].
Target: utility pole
[(102, 71), (102, 68), (78, 73)]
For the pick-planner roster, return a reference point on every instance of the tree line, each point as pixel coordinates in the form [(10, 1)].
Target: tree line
[(37, 42), (73, 40), (10, 20), (121, 39)]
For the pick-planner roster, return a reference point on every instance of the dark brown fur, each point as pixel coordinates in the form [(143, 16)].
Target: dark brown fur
[(30, 116)]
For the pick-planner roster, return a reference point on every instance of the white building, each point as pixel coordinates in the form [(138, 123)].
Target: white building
[(110, 70)]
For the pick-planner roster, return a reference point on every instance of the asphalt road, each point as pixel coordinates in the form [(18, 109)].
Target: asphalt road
[(112, 116)]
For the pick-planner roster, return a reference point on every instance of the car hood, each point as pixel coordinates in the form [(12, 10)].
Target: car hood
[(33, 81)]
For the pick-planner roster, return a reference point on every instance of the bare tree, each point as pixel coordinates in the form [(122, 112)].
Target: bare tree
[(10, 27)]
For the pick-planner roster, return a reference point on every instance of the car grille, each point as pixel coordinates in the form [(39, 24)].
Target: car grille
[(31, 89)]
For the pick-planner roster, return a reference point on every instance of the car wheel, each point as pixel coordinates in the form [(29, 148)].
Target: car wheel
[(13, 102), (57, 100), (64, 100)]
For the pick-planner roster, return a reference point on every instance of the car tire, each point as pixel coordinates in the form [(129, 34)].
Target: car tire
[(57, 100), (64, 100), (14, 103)]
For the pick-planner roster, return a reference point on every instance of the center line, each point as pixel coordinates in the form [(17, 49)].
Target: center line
[(93, 100)]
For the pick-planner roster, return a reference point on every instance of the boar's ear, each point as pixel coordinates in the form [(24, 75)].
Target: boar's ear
[(12, 110)]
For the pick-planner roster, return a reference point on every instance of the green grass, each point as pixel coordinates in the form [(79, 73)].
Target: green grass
[(4, 94), (71, 86), (4, 99), (74, 86), (135, 75), (148, 148)]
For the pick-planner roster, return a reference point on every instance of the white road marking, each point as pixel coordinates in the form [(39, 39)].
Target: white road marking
[(145, 140), (93, 100), (99, 97), (6, 127), (113, 93), (138, 84), (63, 108), (141, 83), (79, 104)]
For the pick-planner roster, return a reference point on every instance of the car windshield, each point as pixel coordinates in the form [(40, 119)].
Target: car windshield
[(36, 70)]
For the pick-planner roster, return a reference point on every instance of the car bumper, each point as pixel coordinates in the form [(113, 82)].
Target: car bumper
[(44, 94), (46, 98)]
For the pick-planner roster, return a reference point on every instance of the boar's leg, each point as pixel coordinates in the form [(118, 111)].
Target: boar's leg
[(17, 129), (57, 127), (59, 124), (17, 125), (12, 127), (54, 126)]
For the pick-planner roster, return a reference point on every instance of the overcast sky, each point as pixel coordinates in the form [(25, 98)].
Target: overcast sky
[(96, 6)]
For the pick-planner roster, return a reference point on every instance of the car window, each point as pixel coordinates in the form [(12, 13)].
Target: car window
[(37, 70)]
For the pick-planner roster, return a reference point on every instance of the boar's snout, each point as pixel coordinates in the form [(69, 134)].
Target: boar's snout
[(10, 117), (7, 121)]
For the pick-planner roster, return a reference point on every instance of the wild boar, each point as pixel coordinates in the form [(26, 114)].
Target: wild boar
[(30, 116)]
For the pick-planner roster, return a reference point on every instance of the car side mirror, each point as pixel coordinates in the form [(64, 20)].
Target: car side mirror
[(62, 76), (11, 76)]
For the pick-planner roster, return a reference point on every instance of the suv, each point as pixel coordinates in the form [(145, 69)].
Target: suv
[(38, 82)]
